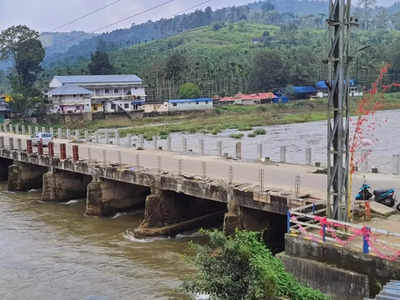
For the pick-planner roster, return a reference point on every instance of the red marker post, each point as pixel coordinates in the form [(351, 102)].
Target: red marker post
[(40, 147), (75, 153), (29, 147), (51, 149), (63, 152)]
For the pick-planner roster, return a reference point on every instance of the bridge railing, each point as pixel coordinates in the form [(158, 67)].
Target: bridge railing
[(315, 227)]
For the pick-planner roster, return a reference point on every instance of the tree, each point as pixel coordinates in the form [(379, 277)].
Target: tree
[(367, 6), (100, 64), (174, 67), (23, 46), (189, 91), (241, 267), (267, 71)]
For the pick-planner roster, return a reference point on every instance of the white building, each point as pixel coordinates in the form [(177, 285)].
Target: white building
[(70, 99), (108, 93), (190, 104)]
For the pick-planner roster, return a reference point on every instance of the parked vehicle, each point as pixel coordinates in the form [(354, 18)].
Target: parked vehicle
[(45, 137), (385, 197)]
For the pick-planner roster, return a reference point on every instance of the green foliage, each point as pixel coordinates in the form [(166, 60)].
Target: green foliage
[(189, 91), (237, 136), (260, 131), (100, 64), (252, 135), (242, 268)]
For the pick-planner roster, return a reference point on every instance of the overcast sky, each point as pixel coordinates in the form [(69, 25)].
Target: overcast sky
[(46, 15)]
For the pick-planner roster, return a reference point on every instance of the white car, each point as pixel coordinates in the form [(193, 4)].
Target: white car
[(45, 137)]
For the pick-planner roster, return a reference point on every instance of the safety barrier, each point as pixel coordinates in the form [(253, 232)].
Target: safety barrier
[(318, 228)]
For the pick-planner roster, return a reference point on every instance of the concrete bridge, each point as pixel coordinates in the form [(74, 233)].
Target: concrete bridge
[(178, 191)]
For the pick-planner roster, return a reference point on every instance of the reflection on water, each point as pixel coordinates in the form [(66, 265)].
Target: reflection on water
[(52, 251)]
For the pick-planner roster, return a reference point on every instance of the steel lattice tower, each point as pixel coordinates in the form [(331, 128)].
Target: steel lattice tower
[(339, 22)]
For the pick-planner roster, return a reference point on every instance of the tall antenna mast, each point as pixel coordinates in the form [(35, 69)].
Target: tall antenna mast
[(339, 22)]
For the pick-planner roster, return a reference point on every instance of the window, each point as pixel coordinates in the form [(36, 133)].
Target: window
[(206, 102), (74, 96), (197, 102), (174, 104), (107, 91), (116, 91), (113, 106), (126, 105)]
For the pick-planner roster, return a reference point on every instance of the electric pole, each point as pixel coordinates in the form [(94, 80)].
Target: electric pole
[(339, 22)]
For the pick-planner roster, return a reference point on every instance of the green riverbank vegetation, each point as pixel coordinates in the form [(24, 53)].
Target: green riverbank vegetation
[(241, 267)]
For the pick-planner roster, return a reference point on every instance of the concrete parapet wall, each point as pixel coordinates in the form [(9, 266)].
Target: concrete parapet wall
[(337, 283), (379, 271)]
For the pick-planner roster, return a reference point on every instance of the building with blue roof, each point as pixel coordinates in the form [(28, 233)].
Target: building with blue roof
[(97, 94), (190, 104)]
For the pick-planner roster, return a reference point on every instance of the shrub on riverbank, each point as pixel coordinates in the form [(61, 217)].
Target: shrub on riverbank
[(241, 267)]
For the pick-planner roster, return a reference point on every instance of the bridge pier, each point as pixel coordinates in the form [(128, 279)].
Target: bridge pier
[(106, 198), (4, 164), (62, 186), (23, 177), (169, 213)]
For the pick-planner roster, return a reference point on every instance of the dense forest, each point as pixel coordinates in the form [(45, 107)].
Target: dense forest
[(262, 46)]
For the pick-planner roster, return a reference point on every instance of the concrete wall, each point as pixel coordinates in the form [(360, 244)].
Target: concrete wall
[(378, 271)]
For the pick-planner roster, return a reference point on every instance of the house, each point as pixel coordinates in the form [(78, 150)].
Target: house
[(103, 93), (4, 108), (354, 90), (190, 104)]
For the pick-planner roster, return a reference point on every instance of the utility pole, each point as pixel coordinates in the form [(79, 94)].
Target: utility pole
[(339, 22)]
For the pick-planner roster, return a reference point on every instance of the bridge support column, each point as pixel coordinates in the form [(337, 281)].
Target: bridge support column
[(106, 198), (4, 164), (24, 177), (169, 213), (62, 186), (232, 217)]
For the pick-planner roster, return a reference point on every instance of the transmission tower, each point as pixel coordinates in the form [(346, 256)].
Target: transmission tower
[(339, 22)]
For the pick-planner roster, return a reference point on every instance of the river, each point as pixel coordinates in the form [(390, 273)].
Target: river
[(52, 251)]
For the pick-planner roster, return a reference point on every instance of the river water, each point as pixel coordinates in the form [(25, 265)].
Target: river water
[(52, 251)]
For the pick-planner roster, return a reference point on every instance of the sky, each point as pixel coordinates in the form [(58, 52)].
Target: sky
[(48, 15)]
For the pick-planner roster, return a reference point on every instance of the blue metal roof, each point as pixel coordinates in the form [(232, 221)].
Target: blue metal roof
[(322, 84), (87, 79), (138, 102), (69, 90), (190, 100), (304, 89)]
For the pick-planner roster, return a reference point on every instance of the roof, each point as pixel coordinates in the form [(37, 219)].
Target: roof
[(87, 79), (256, 96), (190, 100), (69, 90), (304, 89)]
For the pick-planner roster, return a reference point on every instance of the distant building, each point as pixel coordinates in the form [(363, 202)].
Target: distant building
[(249, 99), (4, 108), (190, 104), (97, 93)]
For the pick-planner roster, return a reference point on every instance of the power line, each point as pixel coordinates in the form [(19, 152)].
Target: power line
[(194, 6), (135, 15), (87, 15)]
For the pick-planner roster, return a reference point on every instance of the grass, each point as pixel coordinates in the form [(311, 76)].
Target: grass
[(237, 136)]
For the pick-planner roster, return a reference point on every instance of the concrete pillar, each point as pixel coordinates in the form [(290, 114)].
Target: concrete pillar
[(396, 164), (232, 217), (117, 137), (11, 143), (141, 141), (107, 137), (169, 213), (283, 154), (238, 150), (129, 140), (1, 142), (19, 144), (30, 130), (97, 138), (86, 136), (59, 133), (219, 148), (155, 142), (106, 198), (184, 144), (17, 129), (52, 131), (68, 134), (309, 156), (260, 151), (201, 147), (24, 177), (169, 143), (43, 129), (62, 186), (4, 164), (77, 134), (23, 130)]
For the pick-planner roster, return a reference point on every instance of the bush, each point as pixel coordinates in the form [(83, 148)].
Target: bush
[(260, 131), (237, 135), (252, 135), (241, 267)]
